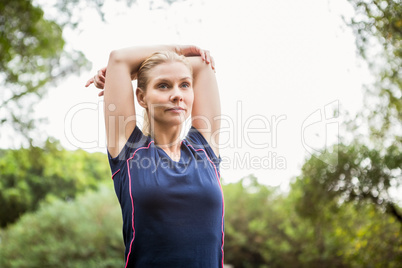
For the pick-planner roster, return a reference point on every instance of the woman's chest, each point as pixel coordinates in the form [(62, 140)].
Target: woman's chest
[(155, 178)]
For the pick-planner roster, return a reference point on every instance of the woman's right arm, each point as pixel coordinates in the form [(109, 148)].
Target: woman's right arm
[(120, 117)]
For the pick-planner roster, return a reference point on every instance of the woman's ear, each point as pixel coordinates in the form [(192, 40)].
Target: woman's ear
[(141, 97)]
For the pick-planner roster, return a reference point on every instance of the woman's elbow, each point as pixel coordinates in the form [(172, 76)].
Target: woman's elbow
[(116, 56)]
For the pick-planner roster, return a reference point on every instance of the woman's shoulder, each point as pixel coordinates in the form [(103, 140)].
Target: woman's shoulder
[(198, 142), (136, 140)]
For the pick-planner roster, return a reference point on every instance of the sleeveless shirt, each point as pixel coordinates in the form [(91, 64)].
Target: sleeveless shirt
[(173, 211)]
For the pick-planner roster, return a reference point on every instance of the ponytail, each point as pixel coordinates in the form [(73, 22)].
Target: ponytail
[(146, 126)]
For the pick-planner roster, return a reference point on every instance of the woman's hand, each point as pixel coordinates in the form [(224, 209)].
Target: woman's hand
[(98, 80), (189, 51)]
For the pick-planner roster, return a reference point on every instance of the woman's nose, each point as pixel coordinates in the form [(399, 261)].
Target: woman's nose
[(176, 94)]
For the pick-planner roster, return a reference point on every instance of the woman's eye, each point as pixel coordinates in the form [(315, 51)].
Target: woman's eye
[(162, 86), (185, 85)]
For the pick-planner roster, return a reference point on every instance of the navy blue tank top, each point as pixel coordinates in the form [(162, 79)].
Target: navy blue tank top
[(173, 211)]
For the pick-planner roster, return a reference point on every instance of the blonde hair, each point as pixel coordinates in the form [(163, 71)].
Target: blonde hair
[(143, 76)]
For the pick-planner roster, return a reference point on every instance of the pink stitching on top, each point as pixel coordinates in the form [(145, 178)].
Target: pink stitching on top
[(132, 201), (223, 201), (115, 173)]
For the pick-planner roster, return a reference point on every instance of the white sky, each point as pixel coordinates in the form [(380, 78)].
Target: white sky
[(279, 64)]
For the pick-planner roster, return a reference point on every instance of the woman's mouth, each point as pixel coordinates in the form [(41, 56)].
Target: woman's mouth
[(176, 109)]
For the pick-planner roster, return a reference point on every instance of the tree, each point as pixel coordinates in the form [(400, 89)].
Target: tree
[(248, 202), (368, 167), (362, 175), (34, 55), (263, 229), (354, 233), (266, 228), (85, 232), (29, 176), (378, 29)]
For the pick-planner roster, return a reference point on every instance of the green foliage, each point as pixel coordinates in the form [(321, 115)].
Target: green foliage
[(262, 229), (381, 19), (378, 29), (246, 207), (266, 229), (348, 201), (355, 234), (361, 175), (28, 176), (32, 54), (368, 237), (85, 232)]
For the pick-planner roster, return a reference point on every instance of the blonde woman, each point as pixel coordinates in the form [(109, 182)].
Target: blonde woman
[(168, 188)]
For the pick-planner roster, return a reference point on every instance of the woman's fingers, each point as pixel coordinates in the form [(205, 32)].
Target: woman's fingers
[(98, 80), (96, 83), (207, 56), (101, 76), (100, 84), (196, 51), (212, 63), (202, 54), (103, 70), (89, 82)]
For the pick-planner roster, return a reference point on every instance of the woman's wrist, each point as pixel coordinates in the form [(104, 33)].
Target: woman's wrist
[(177, 49)]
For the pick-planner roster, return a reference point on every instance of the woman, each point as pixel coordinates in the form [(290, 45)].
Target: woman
[(169, 189)]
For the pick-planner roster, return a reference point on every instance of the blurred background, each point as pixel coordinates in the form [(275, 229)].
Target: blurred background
[(311, 140)]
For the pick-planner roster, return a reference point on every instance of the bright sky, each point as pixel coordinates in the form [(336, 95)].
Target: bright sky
[(282, 66)]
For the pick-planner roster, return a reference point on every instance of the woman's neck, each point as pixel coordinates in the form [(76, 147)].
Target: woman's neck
[(167, 137)]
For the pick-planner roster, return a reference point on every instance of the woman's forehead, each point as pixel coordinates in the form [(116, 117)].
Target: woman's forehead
[(169, 71)]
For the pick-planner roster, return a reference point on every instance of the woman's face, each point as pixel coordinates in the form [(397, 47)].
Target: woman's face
[(169, 95)]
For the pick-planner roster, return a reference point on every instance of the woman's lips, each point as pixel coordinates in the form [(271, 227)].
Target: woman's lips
[(176, 109)]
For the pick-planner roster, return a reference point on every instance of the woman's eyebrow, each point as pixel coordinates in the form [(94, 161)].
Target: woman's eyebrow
[(159, 80), (162, 79)]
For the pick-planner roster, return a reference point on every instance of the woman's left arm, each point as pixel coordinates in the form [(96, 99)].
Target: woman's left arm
[(206, 112)]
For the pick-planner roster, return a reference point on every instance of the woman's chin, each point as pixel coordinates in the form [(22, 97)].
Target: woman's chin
[(173, 121), (177, 117)]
